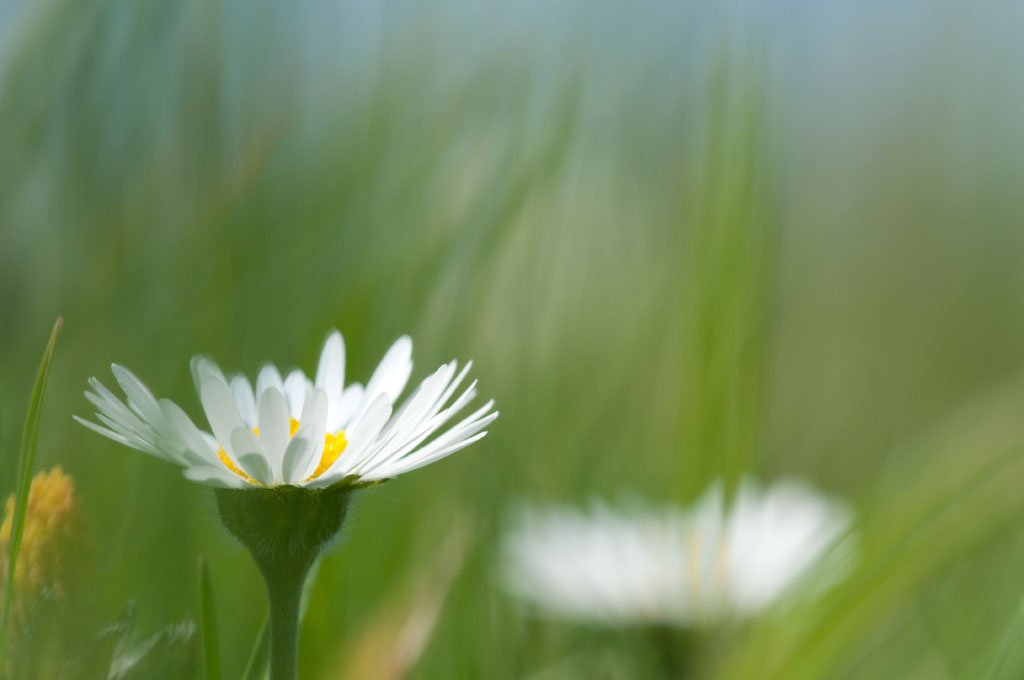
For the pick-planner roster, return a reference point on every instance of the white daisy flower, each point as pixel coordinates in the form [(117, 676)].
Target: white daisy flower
[(679, 567), (291, 430)]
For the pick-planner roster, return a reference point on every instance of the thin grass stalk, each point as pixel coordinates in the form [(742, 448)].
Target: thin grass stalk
[(26, 462)]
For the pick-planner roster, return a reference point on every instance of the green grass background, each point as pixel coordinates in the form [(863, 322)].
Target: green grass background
[(680, 241)]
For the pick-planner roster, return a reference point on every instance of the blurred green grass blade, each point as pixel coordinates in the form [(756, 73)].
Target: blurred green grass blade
[(257, 667), (208, 624), (307, 589), (26, 462), (727, 283), (1008, 660)]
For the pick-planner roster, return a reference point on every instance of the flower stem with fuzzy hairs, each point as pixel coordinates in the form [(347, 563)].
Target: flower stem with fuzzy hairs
[(285, 529)]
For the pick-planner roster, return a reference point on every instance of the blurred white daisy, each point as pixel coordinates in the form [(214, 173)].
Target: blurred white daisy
[(293, 430), (678, 567)]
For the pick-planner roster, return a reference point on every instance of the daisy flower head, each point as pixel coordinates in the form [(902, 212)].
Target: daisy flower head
[(682, 567), (290, 430)]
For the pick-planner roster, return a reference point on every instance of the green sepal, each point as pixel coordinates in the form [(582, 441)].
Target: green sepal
[(284, 525), (352, 482)]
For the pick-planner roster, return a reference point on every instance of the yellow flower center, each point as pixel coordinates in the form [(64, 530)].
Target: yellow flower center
[(334, 445)]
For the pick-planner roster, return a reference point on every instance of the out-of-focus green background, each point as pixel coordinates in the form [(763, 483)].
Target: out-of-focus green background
[(679, 239)]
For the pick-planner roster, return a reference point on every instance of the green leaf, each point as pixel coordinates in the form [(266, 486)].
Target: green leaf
[(26, 463), (208, 624)]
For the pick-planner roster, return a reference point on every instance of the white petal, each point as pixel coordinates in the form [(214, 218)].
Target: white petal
[(314, 423), (142, 442), (274, 429), (106, 401), (407, 465), (268, 377), (204, 368), (393, 371), (330, 371), (411, 437), (211, 475), (139, 397), (455, 383), (351, 402), (116, 436), (211, 443), (221, 411), (123, 417), (297, 456), (296, 387), (417, 406), (408, 453), (195, 446), (431, 420), (361, 437), (257, 467), (460, 436), (142, 425), (242, 392), (249, 456)]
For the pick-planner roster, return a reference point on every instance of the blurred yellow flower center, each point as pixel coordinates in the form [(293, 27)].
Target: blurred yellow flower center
[(334, 445)]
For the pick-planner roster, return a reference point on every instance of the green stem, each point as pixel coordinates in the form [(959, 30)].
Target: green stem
[(284, 591), (673, 652)]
